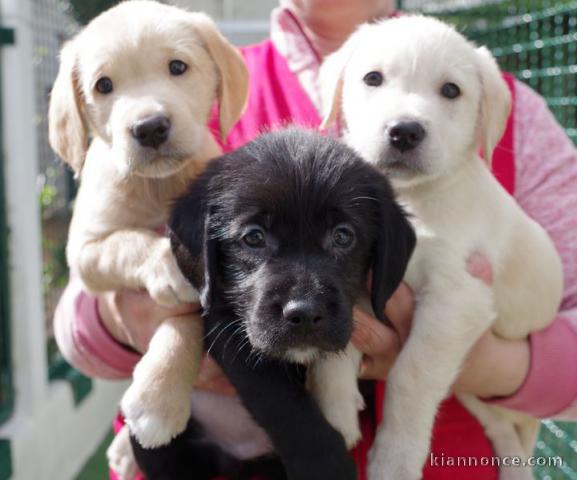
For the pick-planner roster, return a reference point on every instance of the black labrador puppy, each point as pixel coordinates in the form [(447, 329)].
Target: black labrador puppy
[(279, 237)]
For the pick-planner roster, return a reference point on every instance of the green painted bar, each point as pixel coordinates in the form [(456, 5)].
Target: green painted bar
[(80, 384), (5, 460), (6, 390)]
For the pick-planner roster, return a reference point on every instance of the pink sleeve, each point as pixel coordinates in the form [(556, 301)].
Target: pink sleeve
[(546, 188), (84, 341)]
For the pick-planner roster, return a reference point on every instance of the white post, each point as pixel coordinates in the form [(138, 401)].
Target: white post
[(23, 215), (50, 437)]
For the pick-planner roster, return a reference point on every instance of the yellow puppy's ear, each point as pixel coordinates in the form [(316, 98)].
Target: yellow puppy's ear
[(331, 84), (68, 135), (331, 81), (495, 103), (233, 86)]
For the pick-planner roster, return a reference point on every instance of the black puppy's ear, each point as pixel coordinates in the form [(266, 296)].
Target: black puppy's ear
[(193, 246), (391, 254)]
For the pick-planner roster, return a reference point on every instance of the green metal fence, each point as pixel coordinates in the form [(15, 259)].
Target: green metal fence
[(537, 41), (534, 39)]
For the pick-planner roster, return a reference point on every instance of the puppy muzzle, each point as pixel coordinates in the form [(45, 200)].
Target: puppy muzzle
[(402, 152), (299, 316), (151, 131)]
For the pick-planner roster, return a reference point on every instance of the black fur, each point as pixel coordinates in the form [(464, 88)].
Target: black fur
[(306, 196)]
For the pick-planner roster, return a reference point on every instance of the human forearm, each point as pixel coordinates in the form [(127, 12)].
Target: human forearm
[(85, 341), (550, 386), (495, 367)]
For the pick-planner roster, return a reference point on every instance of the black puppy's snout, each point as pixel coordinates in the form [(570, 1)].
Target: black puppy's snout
[(406, 135), (151, 131), (304, 314)]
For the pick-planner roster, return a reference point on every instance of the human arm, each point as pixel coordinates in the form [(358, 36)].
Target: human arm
[(83, 339), (546, 189), (103, 336)]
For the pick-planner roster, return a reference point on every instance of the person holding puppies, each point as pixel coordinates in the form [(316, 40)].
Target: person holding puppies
[(104, 335)]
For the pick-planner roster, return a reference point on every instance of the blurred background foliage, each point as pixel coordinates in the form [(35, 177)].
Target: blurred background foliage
[(85, 10)]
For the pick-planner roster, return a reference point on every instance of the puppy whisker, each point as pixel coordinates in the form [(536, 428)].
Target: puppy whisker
[(237, 330), (226, 327)]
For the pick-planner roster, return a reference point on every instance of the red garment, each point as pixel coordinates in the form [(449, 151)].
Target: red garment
[(277, 99)]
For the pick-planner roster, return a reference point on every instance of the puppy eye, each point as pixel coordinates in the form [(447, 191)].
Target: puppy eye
[(343, 236), (254, 238), (373, 79), (176, 67), (450, 90), (104, 85)]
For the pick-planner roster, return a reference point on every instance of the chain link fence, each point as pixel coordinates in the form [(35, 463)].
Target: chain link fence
[(53, 25), (534, 39)]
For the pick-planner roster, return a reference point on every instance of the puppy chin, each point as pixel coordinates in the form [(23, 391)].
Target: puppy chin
[(149, 163), (403, 169), (161, 166), (277, 343), (304, 355)]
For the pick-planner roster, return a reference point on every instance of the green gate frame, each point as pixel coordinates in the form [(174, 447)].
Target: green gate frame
[(6, 387)]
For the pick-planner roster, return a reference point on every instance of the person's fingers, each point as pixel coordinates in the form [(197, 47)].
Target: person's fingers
[(369, 335), (399, 310), (138, 316), (211, 377), (479, 267), (379, 343), (139, 304), (376, 368)]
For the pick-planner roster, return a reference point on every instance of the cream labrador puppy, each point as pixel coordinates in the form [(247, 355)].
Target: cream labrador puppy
[(129, 112), (420, 101)]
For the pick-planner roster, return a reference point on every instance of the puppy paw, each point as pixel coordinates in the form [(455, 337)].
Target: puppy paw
[(163, 279), (155, 407), (120, 456), (392, 459), (342, 413)]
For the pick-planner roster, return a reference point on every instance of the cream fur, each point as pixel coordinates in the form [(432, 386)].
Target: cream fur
[(459, 208), (126, 189)]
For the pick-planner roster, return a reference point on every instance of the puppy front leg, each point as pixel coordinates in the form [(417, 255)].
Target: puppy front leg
[(333, 383), (274, 394), (156, 406), (137, 258), (450, 317), (502, 432), (121, 457)]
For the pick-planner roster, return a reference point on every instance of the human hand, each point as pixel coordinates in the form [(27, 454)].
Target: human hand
[(132, 317), (494, 366), (379, 343)]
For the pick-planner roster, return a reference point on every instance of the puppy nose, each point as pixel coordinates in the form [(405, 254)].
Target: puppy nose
[(405, 136), (151, 131), (303, 314)]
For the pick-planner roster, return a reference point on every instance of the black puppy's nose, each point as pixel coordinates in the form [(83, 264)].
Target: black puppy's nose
[(405, 136), (303, 314), (151, 131)]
